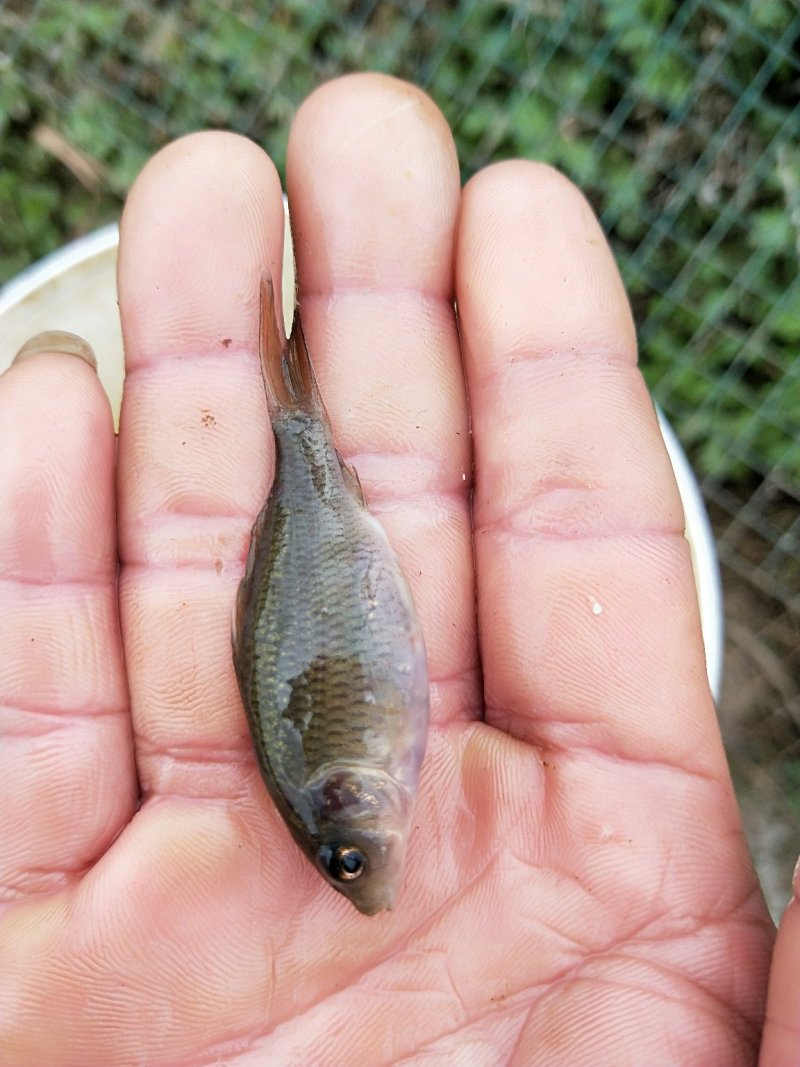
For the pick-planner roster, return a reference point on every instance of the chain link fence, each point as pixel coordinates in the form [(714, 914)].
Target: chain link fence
[(680, 120)]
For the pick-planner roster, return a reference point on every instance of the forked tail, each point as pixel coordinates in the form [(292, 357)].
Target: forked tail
[(286, 366)]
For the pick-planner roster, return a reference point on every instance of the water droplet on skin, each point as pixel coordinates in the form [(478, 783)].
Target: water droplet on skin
[(597, 609)]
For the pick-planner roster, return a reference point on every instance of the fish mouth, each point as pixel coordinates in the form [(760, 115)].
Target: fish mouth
[(383, 851), (375, 905), (375, 895)]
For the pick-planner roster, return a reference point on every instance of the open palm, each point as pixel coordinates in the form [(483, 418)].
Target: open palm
[(578, 890)]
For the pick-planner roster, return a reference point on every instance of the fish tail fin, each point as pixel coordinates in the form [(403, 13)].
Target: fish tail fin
[(285, 365)]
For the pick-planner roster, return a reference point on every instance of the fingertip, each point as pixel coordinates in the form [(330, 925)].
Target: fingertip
[(529, 237), (56, 470), (198, 156), (202, 221), (58, 342), (516, 174), (372, 168), (371, 94)]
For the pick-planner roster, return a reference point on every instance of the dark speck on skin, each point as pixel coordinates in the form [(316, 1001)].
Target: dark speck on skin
[(226, 342)]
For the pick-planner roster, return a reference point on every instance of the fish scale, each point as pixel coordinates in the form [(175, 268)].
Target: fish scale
[(328, 650)]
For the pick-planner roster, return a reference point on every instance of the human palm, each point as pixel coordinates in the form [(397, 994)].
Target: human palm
[(578, 889)]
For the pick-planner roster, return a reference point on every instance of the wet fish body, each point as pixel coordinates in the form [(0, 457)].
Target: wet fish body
[(328, 651)]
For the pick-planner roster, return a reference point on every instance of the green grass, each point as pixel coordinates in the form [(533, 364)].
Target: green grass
[(676, 118)]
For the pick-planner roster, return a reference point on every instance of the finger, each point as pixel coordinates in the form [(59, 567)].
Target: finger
[(373, 188), (780, 1043), (588, 618), (202, 222), (67, 779)]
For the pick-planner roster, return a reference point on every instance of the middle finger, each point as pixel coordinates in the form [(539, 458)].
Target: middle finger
[(373, 220)]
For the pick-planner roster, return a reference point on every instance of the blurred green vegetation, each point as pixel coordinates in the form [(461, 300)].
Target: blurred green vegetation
[(679, 119)]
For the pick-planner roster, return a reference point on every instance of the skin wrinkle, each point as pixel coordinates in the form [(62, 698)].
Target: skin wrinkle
[(60, 713), (198, 566), (350, 289), (434, 461), (244, 756), (391, 501), (218, 1055), (451, 979), (403, 943), (55, 877), (77, 868), (693, 925), (52, 725), (501, 526), (28, 888), (678, 932), (520, 521), (608, 953), (54, 582), (518, 1043), (433, 917), (731, 1018), (213, 754), (488, 1014), (151, 793), (387, 500), (521, 355), (549, 747), (236, 518), (151, 367), (574, 974), (468, 675), (462, 712), (741, 908), (10, 895), (438, 471), (357, 979), (153, 767)]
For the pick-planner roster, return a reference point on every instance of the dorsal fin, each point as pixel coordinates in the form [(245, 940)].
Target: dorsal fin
[(286, 366)]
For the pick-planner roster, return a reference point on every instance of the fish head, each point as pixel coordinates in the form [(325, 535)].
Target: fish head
[(362, 818)]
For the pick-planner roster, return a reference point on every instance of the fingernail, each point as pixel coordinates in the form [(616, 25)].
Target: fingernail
[(60, 343)]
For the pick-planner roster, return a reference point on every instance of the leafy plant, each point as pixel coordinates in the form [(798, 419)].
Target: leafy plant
[(677, 119)]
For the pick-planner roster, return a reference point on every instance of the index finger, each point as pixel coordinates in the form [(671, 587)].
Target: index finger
[(203, 221)]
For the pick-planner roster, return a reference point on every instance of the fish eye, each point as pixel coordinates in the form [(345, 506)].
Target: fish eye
[(344, 863)]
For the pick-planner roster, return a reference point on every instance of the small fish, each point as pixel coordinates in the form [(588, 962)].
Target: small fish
[(327, 648)]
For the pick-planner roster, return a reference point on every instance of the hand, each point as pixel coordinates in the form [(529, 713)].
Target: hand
[(578, 888)]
